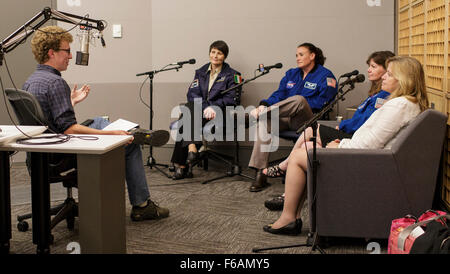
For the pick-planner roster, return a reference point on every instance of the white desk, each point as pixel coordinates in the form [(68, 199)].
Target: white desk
[(101, 191)]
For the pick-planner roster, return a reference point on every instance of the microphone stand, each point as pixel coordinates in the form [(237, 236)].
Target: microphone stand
[(313, 237), (151, 161)]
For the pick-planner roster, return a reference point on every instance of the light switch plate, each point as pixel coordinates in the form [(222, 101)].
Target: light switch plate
[(117, 31)]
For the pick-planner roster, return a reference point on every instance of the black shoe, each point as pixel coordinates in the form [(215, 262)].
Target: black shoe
[(293, 228), (155, 138), (149, 212), (275, 204), (260, 182), (181, 173), (192, 157)]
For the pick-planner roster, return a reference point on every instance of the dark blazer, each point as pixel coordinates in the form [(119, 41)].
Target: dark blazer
[(225, 80)]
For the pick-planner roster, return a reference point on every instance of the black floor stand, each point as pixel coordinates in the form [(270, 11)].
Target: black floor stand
[(234, 168), (311, 241), (151, 161)]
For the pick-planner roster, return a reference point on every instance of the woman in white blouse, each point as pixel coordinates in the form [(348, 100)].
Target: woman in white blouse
[(405, 81)]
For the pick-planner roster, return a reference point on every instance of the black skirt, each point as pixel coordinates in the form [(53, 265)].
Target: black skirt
[(329, 134)]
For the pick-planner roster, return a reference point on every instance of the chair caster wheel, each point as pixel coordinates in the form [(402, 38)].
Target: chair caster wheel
[(172, 168), (22, 226)]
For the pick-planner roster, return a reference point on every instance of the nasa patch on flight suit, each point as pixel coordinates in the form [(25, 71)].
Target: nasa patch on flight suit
[(194, 84), (379, 103), (310, 85), (290, 85)]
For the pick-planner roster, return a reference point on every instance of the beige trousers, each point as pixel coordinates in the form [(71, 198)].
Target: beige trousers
[(293, 113)]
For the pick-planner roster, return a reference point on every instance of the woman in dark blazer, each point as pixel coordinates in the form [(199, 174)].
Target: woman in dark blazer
[(209, 81)]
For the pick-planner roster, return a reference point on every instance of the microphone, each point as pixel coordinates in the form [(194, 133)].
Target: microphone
[(83, 54), (358, 79), (262, 68), (350, 74), (191, 61)]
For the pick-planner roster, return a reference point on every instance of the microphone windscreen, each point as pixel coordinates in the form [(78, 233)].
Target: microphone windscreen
[(192, 61), (360, 78)]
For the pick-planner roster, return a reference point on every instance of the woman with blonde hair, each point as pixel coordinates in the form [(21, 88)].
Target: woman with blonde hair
[(405, 81)]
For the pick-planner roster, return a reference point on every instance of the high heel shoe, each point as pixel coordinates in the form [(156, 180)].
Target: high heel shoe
[(293, 228)]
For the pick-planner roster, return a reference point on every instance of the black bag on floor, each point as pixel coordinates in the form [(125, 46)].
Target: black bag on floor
[(436, 239)]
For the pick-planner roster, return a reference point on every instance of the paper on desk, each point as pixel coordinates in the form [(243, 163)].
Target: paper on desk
[(121, 124)]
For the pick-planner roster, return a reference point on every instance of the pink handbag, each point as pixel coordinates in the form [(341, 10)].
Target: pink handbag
[(402, 235)]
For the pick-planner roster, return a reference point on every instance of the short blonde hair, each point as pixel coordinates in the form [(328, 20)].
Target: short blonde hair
[(411, 80), (47, 38)]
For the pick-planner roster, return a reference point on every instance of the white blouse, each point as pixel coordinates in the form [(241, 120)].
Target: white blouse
[(381, 129)]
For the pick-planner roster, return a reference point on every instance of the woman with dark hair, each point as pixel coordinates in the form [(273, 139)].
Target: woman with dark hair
[(325, 134), (303, 91), (405, 81), (209, 81)]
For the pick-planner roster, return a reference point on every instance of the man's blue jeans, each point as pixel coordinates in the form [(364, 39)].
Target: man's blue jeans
[(138, 191)]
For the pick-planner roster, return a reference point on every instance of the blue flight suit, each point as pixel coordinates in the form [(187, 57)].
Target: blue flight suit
[(319, 87), (363, 112), (225, 80)]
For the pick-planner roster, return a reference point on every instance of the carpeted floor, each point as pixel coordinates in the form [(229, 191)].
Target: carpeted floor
[(222, 217)]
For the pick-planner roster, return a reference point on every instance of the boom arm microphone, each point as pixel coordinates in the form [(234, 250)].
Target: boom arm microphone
[(277, 66), (350, 74), (191, 61), (358, 79), (83, 54)]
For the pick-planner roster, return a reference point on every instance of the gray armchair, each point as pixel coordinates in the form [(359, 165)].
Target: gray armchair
[(359, 192)]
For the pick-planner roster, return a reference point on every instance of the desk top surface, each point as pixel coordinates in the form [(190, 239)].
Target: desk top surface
[(104, 144)]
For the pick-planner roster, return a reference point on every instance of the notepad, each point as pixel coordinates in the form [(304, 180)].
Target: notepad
[(121, 124)]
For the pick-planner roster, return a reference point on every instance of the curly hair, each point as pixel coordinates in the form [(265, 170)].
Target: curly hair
[(47, 38)]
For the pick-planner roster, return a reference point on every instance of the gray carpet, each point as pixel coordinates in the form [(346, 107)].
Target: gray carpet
[(222, 217)]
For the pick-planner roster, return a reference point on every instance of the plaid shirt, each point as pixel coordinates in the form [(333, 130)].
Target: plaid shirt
[(53, 94)]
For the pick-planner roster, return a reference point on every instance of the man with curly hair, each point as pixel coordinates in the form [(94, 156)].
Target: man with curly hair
[(51, 49)]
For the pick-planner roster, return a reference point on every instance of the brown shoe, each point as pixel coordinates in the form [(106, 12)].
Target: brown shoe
[(260, 182), (150, 212)]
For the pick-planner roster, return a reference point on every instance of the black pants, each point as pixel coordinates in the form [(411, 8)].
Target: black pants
[(180, 151)]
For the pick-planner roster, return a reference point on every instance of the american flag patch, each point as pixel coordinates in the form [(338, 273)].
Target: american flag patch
[(331, 82)]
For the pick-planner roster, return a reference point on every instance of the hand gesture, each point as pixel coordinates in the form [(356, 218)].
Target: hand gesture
[(79, 95)]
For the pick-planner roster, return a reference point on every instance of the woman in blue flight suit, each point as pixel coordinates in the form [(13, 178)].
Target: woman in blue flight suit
[(209, 81)]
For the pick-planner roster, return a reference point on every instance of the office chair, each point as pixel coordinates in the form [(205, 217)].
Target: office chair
[(62, 167)]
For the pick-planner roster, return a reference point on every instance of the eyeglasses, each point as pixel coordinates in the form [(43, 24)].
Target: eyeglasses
[(66, 50)]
